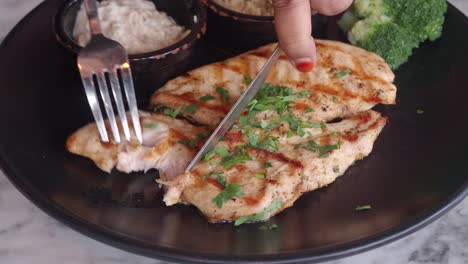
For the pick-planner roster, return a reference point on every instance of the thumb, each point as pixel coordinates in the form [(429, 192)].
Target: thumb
[(294, 28)]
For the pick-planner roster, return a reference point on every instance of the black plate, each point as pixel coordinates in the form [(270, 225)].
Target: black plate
[(416, 172)]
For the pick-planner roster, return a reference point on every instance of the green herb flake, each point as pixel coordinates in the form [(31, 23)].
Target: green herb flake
[(151, 125), (173, 113), (190, 143), (343, 73), (261, 175), (323, 150), (334, 99), (247, 80), (243, 120), (363, 208), (336, 169), (275, 205), (223, 93), (269, 143), (253, 138), (191, 108), (202, 136), (233, 160), (267, 164), (308, 110), (207, 97), (300, 132), (222, 152), (230, 191), (209, 155), (269, 227), (221, 179), (290, 134)]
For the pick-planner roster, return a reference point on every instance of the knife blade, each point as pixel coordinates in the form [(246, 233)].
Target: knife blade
[(236, 109)]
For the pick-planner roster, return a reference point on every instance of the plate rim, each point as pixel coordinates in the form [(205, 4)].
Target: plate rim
[(114, 239)]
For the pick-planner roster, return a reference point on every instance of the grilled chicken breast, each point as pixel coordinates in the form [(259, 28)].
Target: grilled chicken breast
[(271, 181), (168, 145), (346, 80), (281, 146)]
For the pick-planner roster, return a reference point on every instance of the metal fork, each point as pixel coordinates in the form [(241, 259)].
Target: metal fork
[(100, 63)]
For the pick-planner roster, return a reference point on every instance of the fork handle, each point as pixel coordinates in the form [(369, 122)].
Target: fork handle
[(93, 17)]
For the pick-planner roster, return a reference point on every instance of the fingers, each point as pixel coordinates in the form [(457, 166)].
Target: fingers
[(330, 7), (293, 27)]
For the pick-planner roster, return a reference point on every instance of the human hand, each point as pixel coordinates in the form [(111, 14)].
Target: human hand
[(294, 27)]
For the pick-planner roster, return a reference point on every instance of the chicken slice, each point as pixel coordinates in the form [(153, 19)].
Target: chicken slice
[(347, 80), (168, 145), (265, 183)]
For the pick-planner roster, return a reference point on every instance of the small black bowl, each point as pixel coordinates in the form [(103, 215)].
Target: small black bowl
[(240, 32), (162, 64)]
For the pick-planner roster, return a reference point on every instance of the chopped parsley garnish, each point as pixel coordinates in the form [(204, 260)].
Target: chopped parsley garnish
[(271, 97), (202, 136), (363, 208), (221, 179), (299, 125), (334, 99), (336, 169), (173, 112), (229, 191), (207, 98), (269, 143), (190, 143), (275, 205), (308, 110), (209, 155), (300, 132), (247, 80), (261, 175), (223, 93), (151, 125), (323, 150), (222, 152), (343, 73), (267, 164), (191, 108), (244, 121), (290, 134), (267, 126), (230, 161), (304, 93), (269, 227), (253, 138)]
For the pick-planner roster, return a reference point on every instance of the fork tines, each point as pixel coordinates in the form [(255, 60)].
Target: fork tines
[(101, 81)]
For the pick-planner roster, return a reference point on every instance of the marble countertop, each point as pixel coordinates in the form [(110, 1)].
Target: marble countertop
[(28, 235)]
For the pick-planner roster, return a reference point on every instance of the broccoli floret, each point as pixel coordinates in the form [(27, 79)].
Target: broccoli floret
[(393, 28), (424, 18), (347, 21), (372, 8), (387, 39)]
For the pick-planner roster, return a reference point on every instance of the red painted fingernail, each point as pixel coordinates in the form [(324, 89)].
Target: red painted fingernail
[(304, 65)]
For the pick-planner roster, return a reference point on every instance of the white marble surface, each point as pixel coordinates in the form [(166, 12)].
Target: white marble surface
[(27, 235)]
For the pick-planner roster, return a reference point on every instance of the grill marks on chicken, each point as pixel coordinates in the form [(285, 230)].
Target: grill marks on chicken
[(284, 175), (169, 145), (369, 82)]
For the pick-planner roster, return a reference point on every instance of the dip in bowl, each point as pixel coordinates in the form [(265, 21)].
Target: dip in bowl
[(160, 36)]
